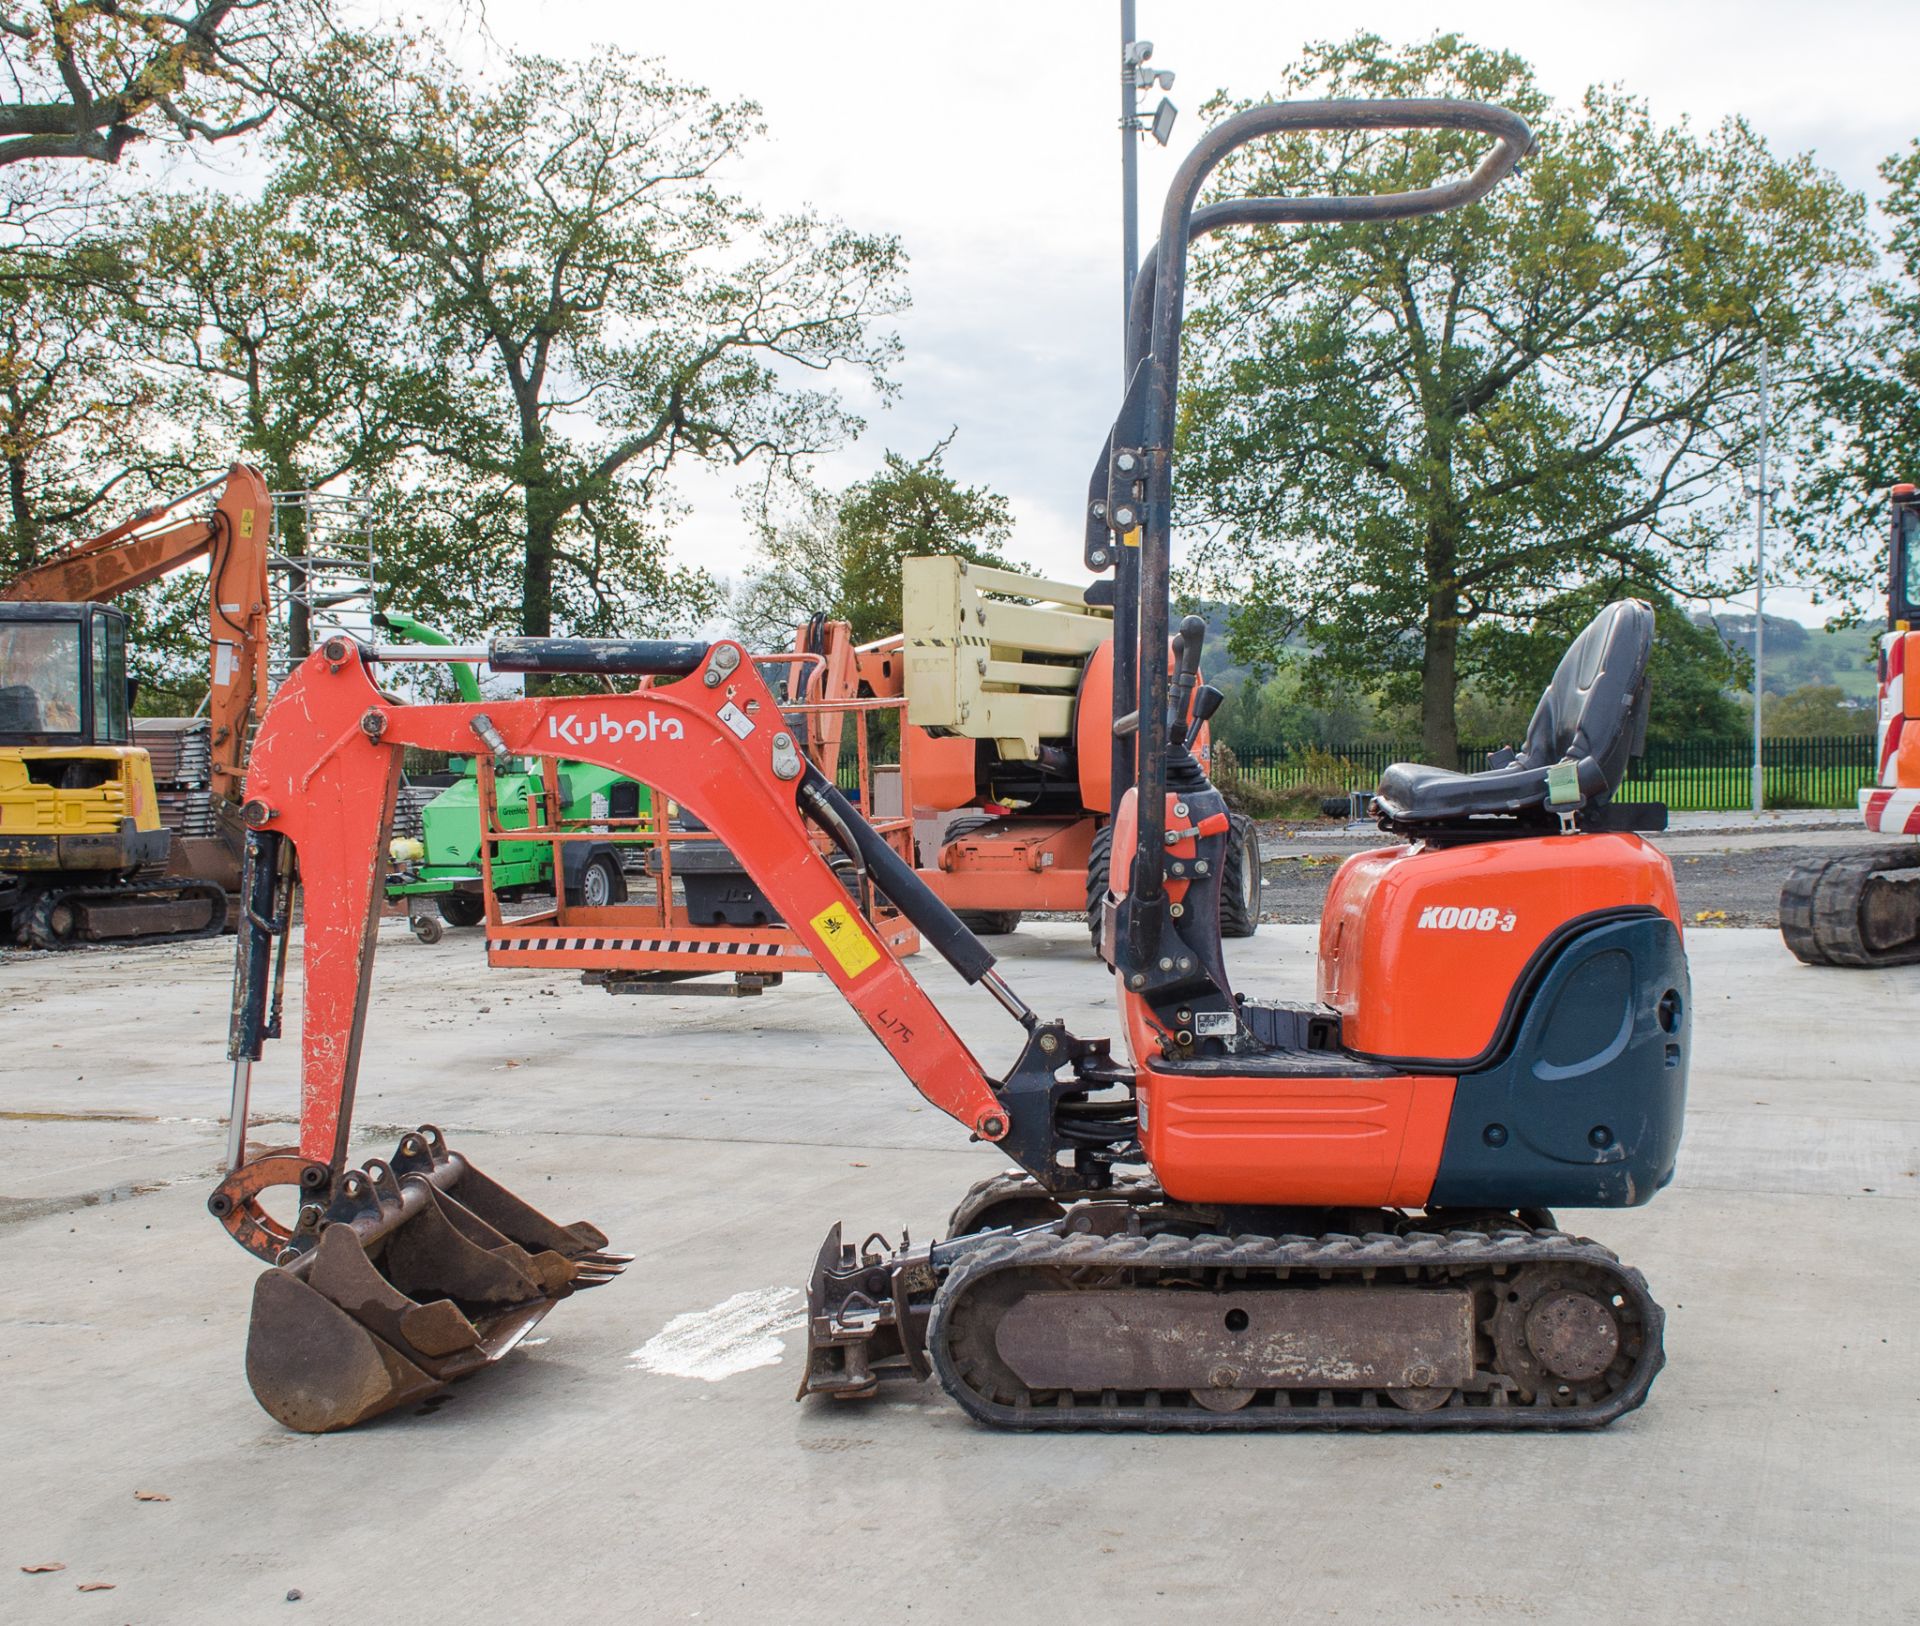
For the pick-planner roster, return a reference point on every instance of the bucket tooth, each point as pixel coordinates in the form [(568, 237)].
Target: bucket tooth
[(423, 1271)]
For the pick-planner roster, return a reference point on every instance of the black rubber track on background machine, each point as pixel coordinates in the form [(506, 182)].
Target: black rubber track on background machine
[(42, 930), (1387, 1263), (1821, 906)]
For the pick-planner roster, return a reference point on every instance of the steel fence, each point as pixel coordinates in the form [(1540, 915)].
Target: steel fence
[(1691, 776)]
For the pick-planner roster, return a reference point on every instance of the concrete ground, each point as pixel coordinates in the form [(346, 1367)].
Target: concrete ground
[(1774, 1476)]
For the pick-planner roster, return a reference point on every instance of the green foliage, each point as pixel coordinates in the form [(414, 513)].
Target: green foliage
[(90, 79), (1690, 673), (1796, 655), (1270, 714), (1869, 437), (75, 407), (259, 312), (1309, 776), (841, 555), (1814, 711), (1397, 438), (590, 305)]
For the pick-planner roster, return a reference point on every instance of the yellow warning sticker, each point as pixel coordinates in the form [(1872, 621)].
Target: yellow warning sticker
[(844, 938), (1130, 539), (246, 522)]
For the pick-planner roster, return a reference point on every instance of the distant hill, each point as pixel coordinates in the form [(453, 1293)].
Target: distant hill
[(1796, 655)]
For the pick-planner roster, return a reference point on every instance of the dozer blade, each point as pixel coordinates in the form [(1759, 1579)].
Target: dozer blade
[(419, 1272), (866, 1317)]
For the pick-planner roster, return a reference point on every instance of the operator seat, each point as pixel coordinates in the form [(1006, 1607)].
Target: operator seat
[(1590, 722), (20, 709)]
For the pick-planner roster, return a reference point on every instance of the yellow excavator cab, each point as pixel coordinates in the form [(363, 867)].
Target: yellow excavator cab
[(82, 849)]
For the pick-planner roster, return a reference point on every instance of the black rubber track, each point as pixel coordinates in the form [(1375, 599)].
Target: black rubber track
[(1458, 1257), (40, 931), (1820, 907)]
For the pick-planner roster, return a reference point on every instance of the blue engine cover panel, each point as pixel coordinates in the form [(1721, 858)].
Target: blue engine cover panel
[(1584, 1110)]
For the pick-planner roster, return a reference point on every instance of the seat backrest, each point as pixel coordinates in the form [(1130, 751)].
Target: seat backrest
[(1596, 705), (19, 709)]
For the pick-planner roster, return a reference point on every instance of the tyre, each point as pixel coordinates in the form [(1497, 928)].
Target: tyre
[(981, 922), (461, 908), (1240, 879), (426, 928), (1099, 863), (601, 884), (847, 873)]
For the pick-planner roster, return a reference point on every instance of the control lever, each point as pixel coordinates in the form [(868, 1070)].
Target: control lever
[(1187, 644), (1206, 701)]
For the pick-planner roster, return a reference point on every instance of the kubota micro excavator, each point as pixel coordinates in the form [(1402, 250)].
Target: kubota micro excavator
[(1861, 906), (83, 855), (1270, 1215)]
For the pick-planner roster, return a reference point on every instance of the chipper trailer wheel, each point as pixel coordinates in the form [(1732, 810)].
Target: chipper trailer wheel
[(461, 908)]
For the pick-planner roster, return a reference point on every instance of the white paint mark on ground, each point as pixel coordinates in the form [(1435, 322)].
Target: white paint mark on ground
[(736, 1335)]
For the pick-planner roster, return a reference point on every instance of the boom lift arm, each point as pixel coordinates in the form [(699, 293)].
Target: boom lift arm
[(234, 537)]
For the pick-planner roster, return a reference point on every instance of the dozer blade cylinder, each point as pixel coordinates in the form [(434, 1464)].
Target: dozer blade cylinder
[(420, 1272)]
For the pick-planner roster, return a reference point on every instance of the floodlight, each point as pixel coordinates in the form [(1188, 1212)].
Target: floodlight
[(1163, 117)]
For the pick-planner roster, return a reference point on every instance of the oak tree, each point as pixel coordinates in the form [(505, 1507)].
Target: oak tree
[(592, 305), (1396, 435), (839, 555)]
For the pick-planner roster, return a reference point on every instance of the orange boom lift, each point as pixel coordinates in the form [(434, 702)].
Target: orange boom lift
[(1254, 1214)]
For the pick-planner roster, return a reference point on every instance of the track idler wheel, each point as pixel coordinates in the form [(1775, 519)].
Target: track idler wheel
[(417, 1272)]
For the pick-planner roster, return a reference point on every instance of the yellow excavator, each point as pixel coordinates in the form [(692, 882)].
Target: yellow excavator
[(83, 853)]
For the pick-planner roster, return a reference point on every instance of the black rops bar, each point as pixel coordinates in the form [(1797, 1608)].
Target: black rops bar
[(663, 657), (1160, 365)]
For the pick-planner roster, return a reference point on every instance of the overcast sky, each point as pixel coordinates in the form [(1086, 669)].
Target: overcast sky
[(985, 135)]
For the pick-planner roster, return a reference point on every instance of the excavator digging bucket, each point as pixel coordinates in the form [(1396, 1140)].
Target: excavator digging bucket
[(422, 1271)]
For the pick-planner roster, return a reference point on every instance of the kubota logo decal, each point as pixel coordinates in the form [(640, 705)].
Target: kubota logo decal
[(573, 729), (1447, 917)]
